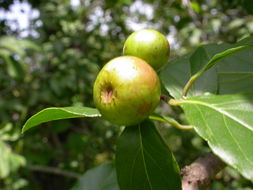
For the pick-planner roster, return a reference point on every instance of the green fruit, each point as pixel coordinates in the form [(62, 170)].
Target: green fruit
[(149, 45), (126, 90)]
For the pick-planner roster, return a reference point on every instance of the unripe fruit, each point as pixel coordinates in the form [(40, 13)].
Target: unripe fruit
[(149, 45), (126, 90)]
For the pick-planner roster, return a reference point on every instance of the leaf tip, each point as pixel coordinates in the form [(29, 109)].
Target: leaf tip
[(23, 130)]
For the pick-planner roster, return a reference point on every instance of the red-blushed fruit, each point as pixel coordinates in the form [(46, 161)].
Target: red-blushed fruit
[(126, 90), (149, 45)]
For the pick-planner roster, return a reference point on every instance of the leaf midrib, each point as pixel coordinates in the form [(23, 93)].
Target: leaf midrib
[(236, 142), (142, 154), (215, 141), (218, 110)]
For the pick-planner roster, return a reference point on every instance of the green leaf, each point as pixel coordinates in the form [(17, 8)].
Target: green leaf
[(14, 68), (143, 160), (176, 74), (8, 133), (220, 56), (195, 7), (226, 123), (102, 177), (214, 60), (235, 73), (10, 46), (9, 161), (17, 46), (233, 82), (4, 52), (204, 77), (54, 113), (126, 2)]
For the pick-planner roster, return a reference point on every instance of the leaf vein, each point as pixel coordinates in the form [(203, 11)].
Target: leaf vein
[(142, 153), (236, 142), (218, 110)]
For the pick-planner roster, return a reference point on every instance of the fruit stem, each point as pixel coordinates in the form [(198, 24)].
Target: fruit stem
[(171, 121), (176, 102)]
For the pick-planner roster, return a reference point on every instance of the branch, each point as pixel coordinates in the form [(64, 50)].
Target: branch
[(52, 170), (199, 174)]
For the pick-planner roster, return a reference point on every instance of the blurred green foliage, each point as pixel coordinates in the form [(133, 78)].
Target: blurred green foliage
[(58, 65)]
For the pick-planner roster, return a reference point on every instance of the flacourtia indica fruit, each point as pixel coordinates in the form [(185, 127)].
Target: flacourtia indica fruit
[(149, 45), (126, 90)]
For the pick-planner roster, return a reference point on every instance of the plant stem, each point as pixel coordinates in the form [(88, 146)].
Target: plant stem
[(199, 174), (190, 83)]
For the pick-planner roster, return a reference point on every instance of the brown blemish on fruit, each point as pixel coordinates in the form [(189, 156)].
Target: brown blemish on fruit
[(144, 109), (107, 94), (148, 74)]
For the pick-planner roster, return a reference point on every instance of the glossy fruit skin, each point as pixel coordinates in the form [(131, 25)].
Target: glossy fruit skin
[(126, 90), (149, 45)]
